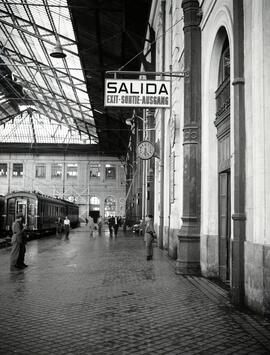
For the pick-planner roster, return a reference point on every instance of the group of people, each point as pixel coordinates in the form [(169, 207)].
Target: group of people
[(114, 223), (93, 226), (19, 238), (149, 232)]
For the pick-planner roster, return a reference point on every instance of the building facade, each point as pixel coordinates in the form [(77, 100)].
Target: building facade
[(96, 184), (211, 173)]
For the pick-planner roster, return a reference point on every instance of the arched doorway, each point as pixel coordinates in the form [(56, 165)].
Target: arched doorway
[(222, 123), (110, 206), (94, 208)]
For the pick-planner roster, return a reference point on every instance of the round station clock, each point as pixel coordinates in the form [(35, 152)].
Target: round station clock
[(145, 149)]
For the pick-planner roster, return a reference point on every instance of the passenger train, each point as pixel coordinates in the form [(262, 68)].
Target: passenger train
[(2, 204), (40, 212)]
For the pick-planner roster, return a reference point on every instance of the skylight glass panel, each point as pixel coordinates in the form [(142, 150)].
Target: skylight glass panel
[(74, 63), (38, 95), (61, 18), (39, 14), (36, 49), (14, 41), (67, 45), (23, 128), (84, 97), (6, 18), (89, 118), (8, 51), (53, 85), (18, 43), (65, 109), (19, 11), (23, 73), (65, 27), (69, 92), (38, 78), (78, 78), (54, 105), (28, 28)]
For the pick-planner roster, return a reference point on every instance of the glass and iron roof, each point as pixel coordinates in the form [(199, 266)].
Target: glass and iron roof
[(32, 127), (35, 87)]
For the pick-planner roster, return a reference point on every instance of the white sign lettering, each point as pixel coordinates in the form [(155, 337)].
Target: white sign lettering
[(137, 93)]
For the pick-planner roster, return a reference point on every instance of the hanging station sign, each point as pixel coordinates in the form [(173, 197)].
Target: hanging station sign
[(137, 93)]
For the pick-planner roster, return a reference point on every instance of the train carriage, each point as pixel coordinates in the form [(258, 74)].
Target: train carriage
[(40, 211), (2, 204)]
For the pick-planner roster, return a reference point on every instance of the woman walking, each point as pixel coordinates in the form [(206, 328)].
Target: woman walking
[(149, 236)]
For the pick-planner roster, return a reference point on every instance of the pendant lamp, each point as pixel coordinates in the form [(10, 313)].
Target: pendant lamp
[(57, 51)]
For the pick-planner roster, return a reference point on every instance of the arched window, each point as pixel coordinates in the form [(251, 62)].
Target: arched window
[(223, 89), (94, 200), (225, 63), (110, 206), (222, 123), (94, 203)]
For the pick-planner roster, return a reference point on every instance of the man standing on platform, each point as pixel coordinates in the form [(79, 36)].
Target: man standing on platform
[(66, 227), (100, 222), (116, 225), (91, 226), (18, 244), (111, 222)]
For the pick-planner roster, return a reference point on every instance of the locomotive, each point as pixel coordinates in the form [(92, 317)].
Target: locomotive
[(40, 212)]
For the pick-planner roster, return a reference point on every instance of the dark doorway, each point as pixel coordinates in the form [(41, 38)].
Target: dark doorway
[(94, 215), (222, 124), (224, 225)]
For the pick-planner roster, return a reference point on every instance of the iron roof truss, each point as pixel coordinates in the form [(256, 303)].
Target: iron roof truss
[(29, 76)]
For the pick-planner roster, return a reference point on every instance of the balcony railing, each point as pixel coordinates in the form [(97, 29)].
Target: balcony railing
[(223, 99)]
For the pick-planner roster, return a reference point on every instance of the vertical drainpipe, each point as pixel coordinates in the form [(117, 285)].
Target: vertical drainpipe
[(162, 125), (64, 175), (144, 172), (239, 217), (88, 190)]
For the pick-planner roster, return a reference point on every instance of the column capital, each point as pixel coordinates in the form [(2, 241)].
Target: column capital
[(192, 13), (191, 134)]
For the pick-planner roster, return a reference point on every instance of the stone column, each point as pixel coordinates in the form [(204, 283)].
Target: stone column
[(188, 261)]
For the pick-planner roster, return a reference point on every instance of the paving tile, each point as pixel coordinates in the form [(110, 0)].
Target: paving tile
[(100, 296)]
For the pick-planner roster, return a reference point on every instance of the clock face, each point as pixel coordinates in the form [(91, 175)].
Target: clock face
[(145, 150)]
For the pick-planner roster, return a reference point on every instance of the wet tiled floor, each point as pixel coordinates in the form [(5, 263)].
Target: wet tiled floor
[(100, 296)]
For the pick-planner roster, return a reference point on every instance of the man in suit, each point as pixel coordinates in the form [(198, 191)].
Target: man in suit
[(116, 225), (111, 225)]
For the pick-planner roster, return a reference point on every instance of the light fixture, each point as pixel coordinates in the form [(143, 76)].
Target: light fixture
[(57, 51), (129, 121)]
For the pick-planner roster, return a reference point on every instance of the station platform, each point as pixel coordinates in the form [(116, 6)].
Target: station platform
[(100, 296)]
